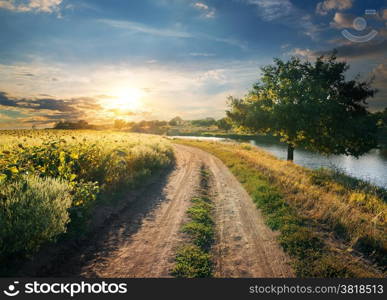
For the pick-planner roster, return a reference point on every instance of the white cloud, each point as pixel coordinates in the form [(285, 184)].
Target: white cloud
[(203, 54), (201, 5), (284, 12), (138, 27), (207, 11), (46, 6), (168, 32), (273, 9), (303, 53), (197, 90), (342, 21), (324, 7)]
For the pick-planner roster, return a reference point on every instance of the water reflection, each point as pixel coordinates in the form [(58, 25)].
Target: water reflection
[(371, 166)]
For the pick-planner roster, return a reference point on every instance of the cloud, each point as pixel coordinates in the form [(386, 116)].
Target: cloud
[(44, 6), (324, 7), (362, 51), (166, 32), (141, 28), (50, 109), (207, 11), (202, 54), (273, 9), (201, 5), (284, 12), (304, 53), (341, 20), (218, 75), (348, 51), (208, 84)]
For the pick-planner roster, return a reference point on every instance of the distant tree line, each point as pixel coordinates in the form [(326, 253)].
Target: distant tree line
[(162, 127), (81, 124), (153, 126)]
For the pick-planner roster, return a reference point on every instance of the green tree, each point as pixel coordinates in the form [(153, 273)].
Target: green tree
[(207, 122), (311, 105), (119, 124), (224, 124), (176, 121), (382, 117)]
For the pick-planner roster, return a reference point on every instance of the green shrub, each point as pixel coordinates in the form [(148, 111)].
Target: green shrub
[(192, 262), (33, 211), (300, 242), (330, 266), (201, 234), (84, 195), (373, 248), (200, 214)]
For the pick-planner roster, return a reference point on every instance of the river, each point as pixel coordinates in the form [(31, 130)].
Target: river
[(371, 166)]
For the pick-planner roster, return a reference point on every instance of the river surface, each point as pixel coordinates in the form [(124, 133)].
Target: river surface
[(371, 166)]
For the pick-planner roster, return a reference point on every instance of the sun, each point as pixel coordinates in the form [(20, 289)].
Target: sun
[(125, 99)]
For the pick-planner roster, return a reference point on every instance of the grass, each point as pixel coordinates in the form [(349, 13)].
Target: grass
[(52, 180), (320, 226), (193, 259)]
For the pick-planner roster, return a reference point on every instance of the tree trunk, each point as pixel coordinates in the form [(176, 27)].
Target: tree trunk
[(290, 152)]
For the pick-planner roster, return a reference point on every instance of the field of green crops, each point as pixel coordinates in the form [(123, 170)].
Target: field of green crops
[(50, 180)]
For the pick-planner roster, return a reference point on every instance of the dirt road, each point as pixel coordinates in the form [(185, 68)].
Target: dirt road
[(150, 252), (245, 247), (140, 240)]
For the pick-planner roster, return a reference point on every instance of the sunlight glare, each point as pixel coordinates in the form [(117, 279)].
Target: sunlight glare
[(126, 99)]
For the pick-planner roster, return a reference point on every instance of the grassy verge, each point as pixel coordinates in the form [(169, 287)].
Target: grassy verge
[(193, 259), (321, 227)]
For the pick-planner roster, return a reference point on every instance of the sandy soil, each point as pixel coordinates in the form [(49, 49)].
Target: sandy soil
[(245, 246), (141, 239)]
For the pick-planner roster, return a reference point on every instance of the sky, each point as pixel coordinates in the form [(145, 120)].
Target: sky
[(102, 60)]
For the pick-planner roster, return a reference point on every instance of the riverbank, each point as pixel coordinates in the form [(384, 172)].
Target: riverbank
[(370, 167), (382, 136), (328, 227)]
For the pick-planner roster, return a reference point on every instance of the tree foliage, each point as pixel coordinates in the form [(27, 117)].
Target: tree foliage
[(224, 124), (81, 124), (176, 121), (206, 122), (311, 105), (119, 124)]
